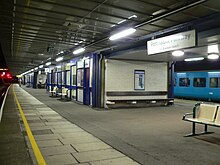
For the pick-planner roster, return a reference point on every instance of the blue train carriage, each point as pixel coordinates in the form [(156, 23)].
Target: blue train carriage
[(203, 85)]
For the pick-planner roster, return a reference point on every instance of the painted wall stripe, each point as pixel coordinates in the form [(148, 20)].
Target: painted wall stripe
[(34, 145)]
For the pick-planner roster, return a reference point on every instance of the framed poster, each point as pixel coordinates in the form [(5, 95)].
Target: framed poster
[(139, 79)]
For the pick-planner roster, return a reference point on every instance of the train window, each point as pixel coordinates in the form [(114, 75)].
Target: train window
[(199, 82), (184, 82), (214, 82)]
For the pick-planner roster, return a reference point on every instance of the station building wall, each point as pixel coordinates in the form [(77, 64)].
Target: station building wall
[(119, 76)]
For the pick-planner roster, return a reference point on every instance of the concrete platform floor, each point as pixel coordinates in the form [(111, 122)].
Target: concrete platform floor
[(60, 141), (152, 135), (13, 149)]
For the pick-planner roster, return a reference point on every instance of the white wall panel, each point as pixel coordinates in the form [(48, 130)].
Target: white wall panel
[(119, 75)]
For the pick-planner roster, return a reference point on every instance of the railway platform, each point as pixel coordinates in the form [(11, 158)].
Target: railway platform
[(71, 133)]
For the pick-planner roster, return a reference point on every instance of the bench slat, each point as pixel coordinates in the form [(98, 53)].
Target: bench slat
[(207, 112), (131, 93)]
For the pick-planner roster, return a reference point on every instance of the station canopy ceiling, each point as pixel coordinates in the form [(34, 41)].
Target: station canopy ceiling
[(33, 31)]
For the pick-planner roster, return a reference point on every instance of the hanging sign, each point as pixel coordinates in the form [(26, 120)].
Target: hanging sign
[(173, 42)]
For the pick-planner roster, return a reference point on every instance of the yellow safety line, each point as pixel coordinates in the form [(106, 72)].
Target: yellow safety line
[(34, 145)]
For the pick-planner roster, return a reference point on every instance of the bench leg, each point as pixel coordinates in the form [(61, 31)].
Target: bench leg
[(206, 130), (193, 131)]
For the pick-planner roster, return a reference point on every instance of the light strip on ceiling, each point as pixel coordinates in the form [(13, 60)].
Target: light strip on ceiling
[(59, 59), (122, 34), (178, 53), (48, 63), (80, 50), (194, 59), (213, 56)]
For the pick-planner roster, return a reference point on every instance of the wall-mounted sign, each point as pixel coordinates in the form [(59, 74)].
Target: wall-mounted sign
[(47, 70), (173, 42), (87, 62), (139, 80)]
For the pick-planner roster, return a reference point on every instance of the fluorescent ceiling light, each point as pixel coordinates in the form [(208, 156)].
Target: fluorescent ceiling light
[(194, 59), (41, 54), (61, 51), (41, 66), (32, 70), (122, 21), (36, 68), (133, 16), (122, 34), (213, 49), (80, 50), (59, 59), (213, 56), (178, 53), (48, 63)]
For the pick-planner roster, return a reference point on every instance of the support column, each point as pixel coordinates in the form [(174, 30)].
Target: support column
[(34, 82), (97, 81), (171, 80)]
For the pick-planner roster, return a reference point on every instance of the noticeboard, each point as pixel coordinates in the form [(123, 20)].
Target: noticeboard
[(139, 80)]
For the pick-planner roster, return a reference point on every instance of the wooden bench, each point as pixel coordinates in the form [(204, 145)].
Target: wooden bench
[(206, 114), (117, 99)]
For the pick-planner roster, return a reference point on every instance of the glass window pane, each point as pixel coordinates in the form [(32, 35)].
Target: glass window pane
[(54, 78), (184, 82), (73, 75), (199, 82), (218, 82), (80, 77), (74, 79), (214, 82), (68, 77), (63, 78), (59, 78)]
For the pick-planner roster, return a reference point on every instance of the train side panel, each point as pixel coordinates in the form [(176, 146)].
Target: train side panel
[(197, 85)]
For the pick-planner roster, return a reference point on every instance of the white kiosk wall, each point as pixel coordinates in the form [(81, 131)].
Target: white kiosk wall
[(119, 76)]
